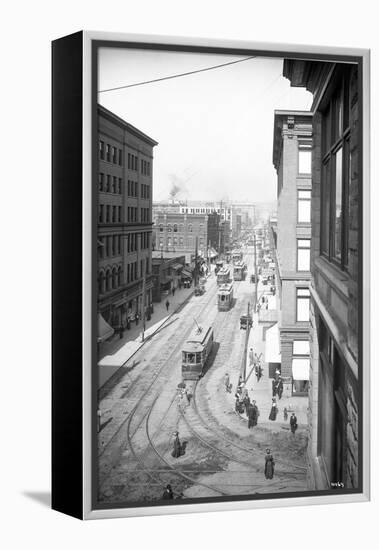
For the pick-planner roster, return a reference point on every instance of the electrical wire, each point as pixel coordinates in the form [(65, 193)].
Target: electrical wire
[(177, 75)]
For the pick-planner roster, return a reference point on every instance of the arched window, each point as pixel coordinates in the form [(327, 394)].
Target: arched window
[(161, 227), (175, 228), (108, 280), (114, 277), (169, 228)]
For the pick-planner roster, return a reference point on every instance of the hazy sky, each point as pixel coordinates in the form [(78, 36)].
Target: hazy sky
[(214, 129)]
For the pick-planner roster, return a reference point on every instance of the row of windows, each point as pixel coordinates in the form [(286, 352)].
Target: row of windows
[(109, 246), (132, 272), (110, 153), (179, 241), (175, 228), (109, 280), (110, 184), (145, 168), (145, 215), (132, 162), (132, 214), (109, 213), (145, 191), (132, 188)]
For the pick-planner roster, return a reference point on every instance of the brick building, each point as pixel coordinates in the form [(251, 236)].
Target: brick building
[(335, 267), (125, 183), (292, 143), (176, 233)]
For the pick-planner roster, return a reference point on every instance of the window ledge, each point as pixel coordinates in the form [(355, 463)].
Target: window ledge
[(336, 277)]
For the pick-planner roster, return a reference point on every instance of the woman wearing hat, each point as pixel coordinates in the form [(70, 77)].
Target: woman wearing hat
[(269, 465)]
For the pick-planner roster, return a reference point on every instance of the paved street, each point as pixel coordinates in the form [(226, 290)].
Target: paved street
[(221, 455)]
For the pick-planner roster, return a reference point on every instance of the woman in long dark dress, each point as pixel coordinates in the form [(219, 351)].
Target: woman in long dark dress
[(269, 465), (177, 447), (253, 415), (273, 412)]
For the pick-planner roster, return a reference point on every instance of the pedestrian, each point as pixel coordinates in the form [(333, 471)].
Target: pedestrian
[(247, 404), (168, 493), (260, 372), (269, 465), (177, 446), (173, 291), (188, 396), (227, 382), (293, 423), (285, 414), (279, 387), (167, 304), (253, 415), (274, 411), (274, 387), (137, 318)]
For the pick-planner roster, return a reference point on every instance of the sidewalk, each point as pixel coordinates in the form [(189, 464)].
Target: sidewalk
[(115, 353), (261, 391)]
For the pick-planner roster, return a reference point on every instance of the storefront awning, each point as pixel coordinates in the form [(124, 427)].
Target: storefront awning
[(272, 347), (300, 369), (104, 331)]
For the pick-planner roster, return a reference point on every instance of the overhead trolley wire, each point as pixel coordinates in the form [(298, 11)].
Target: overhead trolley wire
[(177, 75)]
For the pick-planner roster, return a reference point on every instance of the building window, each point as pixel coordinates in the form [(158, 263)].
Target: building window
[(114, 155), (120, 157), (302, 304), (303, 254), (161, 227), (108, 152), (305, 158), (304, 206), (101, 149), (336, 177)]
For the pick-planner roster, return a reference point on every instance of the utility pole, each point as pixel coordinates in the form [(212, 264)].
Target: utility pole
[(255, 273), (144, 264), (244, 355), (196, 274)]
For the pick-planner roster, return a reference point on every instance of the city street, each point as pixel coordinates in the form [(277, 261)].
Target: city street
[(220, 455)]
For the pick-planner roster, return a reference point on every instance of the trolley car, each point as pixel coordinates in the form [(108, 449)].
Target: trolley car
[(223, 276), (225, 297), (237, 256), (196, 352), (239, 271)]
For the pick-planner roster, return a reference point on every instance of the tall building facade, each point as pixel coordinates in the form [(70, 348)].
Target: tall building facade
[(292, 144), (335, 318), (177, 233), (125, 190)]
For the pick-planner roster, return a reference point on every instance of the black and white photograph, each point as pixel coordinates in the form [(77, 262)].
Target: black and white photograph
[(228, 275)]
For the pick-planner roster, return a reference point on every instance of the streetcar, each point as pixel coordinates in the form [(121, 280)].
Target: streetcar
[(224, 276), (225, 297), (237, 256), (196, 351), (239, 271), (219, 265)]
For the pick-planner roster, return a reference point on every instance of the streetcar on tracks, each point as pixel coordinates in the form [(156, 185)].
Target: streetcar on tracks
[(224, 276), (239, 271), (237, 256), (196, 351), (225, 297)]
